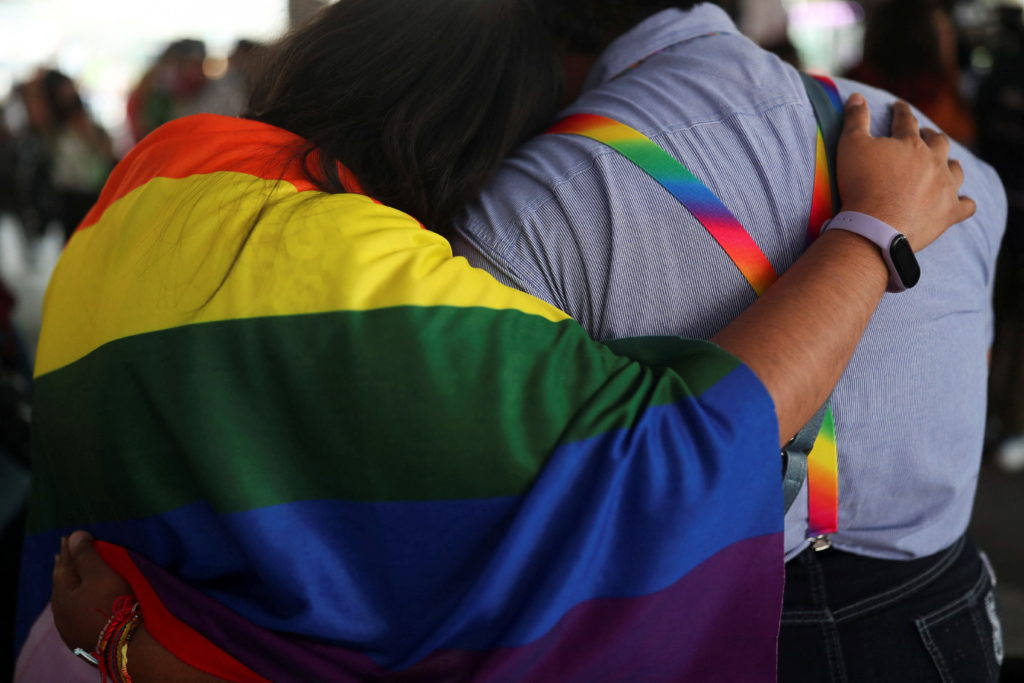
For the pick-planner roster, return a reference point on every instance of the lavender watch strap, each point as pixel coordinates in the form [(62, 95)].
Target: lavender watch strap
[(878, 232)]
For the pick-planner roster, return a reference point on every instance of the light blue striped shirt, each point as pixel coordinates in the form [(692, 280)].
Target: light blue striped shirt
[(572, 222)]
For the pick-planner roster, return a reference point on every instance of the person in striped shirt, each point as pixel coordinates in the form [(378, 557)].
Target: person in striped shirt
[(574, 222)]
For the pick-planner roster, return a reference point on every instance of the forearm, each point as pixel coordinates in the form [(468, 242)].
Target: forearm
[(799, 337)]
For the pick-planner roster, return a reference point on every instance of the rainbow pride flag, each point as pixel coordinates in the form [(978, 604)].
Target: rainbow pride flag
[(321, 448)]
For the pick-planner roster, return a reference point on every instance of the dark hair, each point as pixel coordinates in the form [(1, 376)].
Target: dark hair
[(901, 41), (419, 99), (588, 26), (185, 48), (61, 96)]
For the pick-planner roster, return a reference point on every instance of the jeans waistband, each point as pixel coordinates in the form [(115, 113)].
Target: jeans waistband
[(856, 585)]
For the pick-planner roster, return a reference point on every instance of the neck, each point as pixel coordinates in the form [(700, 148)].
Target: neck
[(576, 66)]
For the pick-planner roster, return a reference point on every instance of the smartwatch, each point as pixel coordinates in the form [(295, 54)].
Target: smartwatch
[(904, 272)]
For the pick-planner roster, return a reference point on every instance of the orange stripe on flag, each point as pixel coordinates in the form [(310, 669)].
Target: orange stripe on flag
[(177, 150)]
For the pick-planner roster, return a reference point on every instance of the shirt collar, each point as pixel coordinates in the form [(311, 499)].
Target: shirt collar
[(655, 33)]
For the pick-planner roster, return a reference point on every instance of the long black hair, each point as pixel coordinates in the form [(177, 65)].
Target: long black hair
[(419, 99)]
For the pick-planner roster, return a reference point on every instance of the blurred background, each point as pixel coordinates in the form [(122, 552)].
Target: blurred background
[(81, 82)]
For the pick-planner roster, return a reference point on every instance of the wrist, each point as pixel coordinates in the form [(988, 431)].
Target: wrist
[(891, 245), (858, 251), (111, 650), (854, 266), (888, 216)]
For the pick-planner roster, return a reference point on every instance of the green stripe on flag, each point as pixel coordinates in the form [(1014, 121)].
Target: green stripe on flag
[(408, 403)]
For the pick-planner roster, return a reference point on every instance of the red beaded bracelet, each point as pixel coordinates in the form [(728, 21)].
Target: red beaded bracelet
[(111, 652)]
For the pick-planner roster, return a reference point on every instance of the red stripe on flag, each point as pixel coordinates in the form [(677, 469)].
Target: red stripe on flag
[(180, 639)]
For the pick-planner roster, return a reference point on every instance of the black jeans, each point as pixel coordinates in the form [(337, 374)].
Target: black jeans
[(848, 618)]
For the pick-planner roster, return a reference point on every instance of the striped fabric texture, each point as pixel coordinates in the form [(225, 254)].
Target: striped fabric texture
[(735, 240), (680, 182), (321, 448), (578, 225)]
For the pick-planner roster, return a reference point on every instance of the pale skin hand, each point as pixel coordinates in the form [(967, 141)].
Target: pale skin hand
[(828, 296)]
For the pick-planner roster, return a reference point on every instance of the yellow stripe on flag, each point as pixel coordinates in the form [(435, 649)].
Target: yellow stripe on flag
[(158, 254)]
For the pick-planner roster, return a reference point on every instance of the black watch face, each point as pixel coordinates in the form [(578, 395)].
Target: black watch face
[(906, 263)]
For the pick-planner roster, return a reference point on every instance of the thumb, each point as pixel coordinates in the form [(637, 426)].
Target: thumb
[(83, 554), (857, 116)]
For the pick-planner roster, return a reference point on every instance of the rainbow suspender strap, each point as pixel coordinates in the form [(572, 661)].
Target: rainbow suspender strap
[(729, 233), (823, 460)]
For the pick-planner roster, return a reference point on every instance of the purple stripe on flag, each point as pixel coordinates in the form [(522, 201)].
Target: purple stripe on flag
[(719, 622)]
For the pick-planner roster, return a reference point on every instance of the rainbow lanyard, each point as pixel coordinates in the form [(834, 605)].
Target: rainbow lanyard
[(732, 237)]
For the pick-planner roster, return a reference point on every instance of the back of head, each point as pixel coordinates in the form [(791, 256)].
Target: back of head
[(588, 26), (420, 100)]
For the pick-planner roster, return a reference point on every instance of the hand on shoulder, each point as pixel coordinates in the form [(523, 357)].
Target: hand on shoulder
[(906, 180)]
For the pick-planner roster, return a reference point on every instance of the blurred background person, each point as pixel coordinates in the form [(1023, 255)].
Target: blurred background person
[(32, 196), (228, 94), (80, 150), (910, 49), (1000, 110), (169, 89), (57, 159), (185, 81)]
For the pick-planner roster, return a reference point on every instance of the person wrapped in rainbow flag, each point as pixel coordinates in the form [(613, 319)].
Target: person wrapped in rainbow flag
[(315, 446)]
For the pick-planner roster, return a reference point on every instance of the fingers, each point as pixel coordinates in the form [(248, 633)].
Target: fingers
[(65, 577), (904, 123), (857, 119), (66, 567), (966, 207), (957, 171), (938, 142), (83, 553)]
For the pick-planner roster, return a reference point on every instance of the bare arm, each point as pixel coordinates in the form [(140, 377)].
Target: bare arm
[(829, 296)]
